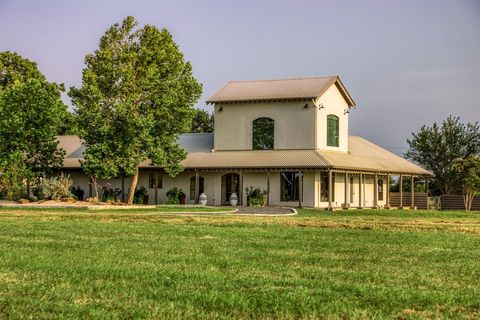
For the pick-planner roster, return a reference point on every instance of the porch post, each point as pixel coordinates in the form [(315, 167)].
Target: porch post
[(330, 186), (387, 191), (268, 187), (375, 190), (156, 186), (360, 182), (412, 191), (347, 202), (300, 188), (401, 191), (123, 187), (426, 191)]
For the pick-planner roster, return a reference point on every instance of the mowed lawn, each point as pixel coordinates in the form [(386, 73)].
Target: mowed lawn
[(355, 264)]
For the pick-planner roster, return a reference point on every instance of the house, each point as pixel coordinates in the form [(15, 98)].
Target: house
[(289, 137)]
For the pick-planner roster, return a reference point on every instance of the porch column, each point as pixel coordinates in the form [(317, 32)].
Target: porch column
[(268, 187), (360, 182), (401, 191), (387, 191), (330, 186), (197, 185), (375, 190), (426, 191), (123, 188), (300, 189), (347, 201), (412, 191)]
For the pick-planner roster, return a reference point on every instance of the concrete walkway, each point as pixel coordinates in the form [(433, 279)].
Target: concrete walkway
[(266, 211)]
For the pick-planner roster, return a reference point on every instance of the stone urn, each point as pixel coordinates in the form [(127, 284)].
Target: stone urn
[(202, 200), (233, 199)]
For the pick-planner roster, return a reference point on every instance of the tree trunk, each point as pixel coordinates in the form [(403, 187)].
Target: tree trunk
[(133, 186)]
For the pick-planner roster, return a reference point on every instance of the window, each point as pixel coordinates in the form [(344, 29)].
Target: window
[(201, 184), (380, 189), (332, 130), (289, 186), (262, 134), (152, 182), (324, 186)]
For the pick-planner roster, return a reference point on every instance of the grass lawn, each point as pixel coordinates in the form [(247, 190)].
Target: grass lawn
[(354, 264)]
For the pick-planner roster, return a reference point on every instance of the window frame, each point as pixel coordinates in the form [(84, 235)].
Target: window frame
[(260, 133), (151, 180), (201, 186), (292, 178), (333, 130)]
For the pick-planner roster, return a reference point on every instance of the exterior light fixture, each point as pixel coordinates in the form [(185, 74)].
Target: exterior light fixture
[(220, 109), (305, 106), (346, 111)]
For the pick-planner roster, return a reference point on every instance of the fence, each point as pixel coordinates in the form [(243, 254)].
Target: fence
[(455, 202), (420, 200)]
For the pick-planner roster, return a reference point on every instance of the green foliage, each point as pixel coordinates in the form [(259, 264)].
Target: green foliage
[(255, 197), (13, 174), (137, 96), (110, 194), (175, 195), (467, 177), (139, 196), (437, 147), (31, 111), (14, 69), (202, 122), (56, 188)]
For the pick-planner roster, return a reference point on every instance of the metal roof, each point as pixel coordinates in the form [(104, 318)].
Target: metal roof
[(362, 155), (280, 89)]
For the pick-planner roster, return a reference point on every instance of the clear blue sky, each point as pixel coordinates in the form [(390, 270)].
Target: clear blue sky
[(406, 63)]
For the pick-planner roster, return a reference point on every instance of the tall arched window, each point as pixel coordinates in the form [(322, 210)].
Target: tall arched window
[(263, 134), (333, 131)]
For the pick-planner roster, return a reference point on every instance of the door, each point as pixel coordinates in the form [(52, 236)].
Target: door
[(230, 184)]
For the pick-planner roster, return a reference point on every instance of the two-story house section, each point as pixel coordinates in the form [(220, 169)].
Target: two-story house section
[(288, 137)]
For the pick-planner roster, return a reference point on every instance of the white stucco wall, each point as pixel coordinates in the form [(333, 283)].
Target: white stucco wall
[(333, 103), (294, 125)]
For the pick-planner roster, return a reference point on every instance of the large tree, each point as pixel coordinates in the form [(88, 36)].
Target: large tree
[(137, 95), (31, 111), (437, 147), (202, 122)]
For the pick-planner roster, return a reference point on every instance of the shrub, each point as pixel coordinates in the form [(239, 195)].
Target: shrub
[(175, 195), (139, 195), (13, 174), (255, 197), (56, 187), (110, 194), (78, 193)]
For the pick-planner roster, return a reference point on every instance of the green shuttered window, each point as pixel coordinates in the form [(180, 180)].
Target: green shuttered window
[(332, 130)]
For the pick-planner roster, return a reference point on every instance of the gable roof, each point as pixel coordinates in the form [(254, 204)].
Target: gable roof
[(362, 155), (280, 89)]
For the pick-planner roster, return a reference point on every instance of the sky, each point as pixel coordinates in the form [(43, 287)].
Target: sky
[(406, 63)]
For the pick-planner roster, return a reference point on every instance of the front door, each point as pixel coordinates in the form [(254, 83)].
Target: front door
[(230, 184)]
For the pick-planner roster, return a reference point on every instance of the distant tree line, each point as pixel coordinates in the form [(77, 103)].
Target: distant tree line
[(451, 151)]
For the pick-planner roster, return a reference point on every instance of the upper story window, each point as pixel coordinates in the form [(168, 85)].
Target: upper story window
[(263, 134), (332, 130)]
